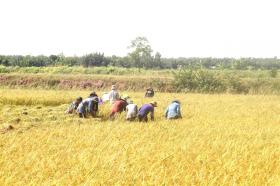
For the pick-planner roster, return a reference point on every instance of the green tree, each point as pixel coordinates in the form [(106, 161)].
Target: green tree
[(141, 54), (94, 59), (157, 60)]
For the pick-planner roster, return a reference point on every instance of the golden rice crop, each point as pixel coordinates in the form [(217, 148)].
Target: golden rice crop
[(221, 140)]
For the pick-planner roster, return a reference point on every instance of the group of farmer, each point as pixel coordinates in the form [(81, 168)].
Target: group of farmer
[(89, 106)]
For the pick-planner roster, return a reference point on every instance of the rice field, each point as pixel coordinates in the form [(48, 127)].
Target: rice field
[(221, 140)]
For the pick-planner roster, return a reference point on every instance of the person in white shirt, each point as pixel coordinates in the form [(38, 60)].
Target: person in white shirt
[(131, 111), (113, 95)]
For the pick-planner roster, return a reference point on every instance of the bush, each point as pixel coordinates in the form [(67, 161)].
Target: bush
[(198, 81), (273, 73), (4, 69), (204, 81), (236, 86)]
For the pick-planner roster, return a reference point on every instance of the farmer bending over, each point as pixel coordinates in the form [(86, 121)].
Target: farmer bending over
[(132, 111), (73, 106), (145, 110), (173, 111), (88, 105), (118, 106), (150, 92)]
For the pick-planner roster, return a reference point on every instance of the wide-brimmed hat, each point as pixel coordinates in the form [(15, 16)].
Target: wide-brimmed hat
[(154, 103)]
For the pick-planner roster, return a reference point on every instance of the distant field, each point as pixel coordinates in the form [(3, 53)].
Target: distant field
[(87, 71), (132, 79), (221, 140), (163, 73)]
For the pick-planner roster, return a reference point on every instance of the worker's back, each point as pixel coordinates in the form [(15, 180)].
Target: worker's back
[(145, 109), (119, 105), (173, 110), (131, 109)]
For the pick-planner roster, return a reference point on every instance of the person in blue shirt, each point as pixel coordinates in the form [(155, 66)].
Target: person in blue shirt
[(173, 111), (88, 106)]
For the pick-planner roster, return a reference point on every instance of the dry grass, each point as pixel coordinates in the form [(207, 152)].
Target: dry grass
[(222, 140)]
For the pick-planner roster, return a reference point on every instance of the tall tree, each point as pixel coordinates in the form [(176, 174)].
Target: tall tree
[(141, 54), (157, 60)]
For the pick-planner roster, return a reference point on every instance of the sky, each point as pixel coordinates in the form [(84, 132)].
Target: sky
[(175, 28)]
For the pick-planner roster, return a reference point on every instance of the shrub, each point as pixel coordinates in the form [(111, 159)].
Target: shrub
[(273, 73), (236, 85), (198, 81)]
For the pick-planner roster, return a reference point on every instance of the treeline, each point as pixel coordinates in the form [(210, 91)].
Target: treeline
[(151, 62)]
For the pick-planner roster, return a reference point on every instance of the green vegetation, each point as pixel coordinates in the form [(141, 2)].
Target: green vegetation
[(84, 81), (110, 70), (140, 69), (101, 78), (204, 81), (141, 56), (133, 60)]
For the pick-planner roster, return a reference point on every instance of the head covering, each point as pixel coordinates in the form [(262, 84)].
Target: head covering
[(176, 101), (79, 99), (113, 87), (154, 103), (93, 94)]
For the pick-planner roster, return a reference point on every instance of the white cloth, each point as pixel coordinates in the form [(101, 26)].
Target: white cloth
[(131, 110), (105, 97)]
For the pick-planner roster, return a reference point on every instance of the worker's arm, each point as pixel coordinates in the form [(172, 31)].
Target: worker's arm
[(152, 115), (179, 111), (70, 109), (123, 107), (166, 112)]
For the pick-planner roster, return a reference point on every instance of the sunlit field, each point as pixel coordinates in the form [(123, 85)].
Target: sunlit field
[(221, 140)]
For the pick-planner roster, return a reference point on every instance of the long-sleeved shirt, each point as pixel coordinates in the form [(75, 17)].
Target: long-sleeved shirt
[(71, 109), (87, 103), (119, 106), (145, 110), (131, 111), (113, 96), (173, 110)]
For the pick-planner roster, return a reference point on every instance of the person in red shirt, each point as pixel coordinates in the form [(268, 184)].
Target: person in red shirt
[(118, 106)]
